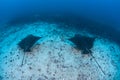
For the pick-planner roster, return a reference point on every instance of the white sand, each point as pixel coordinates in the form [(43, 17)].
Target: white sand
[(54, 57)]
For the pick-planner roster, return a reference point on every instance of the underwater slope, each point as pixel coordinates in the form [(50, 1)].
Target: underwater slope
[(96, 15), (72, 20), (54, 56)]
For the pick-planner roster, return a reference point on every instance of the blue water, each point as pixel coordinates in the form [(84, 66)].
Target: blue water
[(103, 14), (99, 17)]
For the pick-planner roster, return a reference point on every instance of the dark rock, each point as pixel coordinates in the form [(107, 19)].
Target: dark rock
[(83, 43), (40, 78), (1, 78), (52, 78), (28, 42)]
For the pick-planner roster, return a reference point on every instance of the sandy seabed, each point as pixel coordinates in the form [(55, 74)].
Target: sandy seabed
[(53, 57)]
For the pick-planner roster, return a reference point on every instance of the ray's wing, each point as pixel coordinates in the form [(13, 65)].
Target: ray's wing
[(28, 42)]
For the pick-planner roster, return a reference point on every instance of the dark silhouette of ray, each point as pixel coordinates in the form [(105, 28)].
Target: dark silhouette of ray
[(28, 42), (85, 43), (82, 42)]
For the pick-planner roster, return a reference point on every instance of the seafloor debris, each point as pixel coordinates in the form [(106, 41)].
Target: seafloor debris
[(83, 43), (28, 42)]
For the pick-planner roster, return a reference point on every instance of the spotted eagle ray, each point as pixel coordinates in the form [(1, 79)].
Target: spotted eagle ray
[(85, 44), (27, 43), (82, 42)]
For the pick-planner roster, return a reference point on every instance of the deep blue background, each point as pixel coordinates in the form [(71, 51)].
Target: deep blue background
[(103, 14), (105, 11)]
